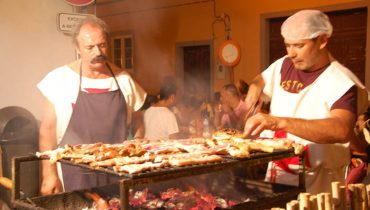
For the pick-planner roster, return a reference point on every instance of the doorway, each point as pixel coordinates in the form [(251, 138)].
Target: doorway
[(194, 69)]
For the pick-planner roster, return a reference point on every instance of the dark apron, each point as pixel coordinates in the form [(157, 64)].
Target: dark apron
[(96, 117)]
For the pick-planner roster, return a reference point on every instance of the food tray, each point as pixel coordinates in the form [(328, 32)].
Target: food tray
[(229, 161), (129, 181)]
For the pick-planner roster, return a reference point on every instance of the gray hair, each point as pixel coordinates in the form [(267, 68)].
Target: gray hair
[(92, 20)]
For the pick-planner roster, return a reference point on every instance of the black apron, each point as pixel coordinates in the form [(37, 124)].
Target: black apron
[(96, 117)]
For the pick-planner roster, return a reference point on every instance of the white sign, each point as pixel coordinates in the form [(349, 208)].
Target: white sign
[(68, 21)]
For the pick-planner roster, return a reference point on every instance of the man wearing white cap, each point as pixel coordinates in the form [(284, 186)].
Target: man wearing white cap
[(313, 101)]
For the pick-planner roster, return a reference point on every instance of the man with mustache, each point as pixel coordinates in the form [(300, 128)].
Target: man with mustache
[(313, 101), (87, 101)]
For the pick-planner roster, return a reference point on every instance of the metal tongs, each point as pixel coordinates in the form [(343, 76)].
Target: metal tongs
[(253, 110)]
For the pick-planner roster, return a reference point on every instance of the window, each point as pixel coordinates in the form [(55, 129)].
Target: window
[(122, 51)]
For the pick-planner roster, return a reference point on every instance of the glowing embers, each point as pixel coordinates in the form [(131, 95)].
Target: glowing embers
[(175, 198)]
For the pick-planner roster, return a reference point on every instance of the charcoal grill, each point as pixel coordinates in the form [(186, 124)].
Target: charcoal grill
[(271, 194), (18, 137)]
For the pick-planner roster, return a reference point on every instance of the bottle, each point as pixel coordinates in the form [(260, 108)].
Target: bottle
[(206, 130)]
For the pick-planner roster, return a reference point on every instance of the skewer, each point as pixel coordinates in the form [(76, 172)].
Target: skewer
[(313, 202), (328, 201), (335, 192), (353, 196), (304, 201), (320, 201), (339, 195), (342, 198), (362, 196), (368, 194), (292, 205)]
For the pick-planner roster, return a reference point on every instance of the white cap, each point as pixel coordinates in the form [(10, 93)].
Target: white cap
[(306, 24)]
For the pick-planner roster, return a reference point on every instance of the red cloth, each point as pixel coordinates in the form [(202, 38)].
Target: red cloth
[(356, 173), (284, 163)]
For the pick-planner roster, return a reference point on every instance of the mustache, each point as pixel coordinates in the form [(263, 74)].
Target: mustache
[(99, 59)]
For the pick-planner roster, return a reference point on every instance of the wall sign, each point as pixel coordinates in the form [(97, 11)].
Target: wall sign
[(67, 21), (79, 3)]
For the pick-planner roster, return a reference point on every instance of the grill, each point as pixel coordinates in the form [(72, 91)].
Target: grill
[(18, 137), (267, 194)]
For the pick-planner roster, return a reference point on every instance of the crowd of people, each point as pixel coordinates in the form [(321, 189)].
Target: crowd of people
[(188, 116), (312, 100)]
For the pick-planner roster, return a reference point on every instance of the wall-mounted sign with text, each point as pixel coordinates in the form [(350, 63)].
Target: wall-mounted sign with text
[(68, 21)]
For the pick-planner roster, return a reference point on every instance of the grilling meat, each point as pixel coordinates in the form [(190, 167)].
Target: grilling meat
[(137, 156)]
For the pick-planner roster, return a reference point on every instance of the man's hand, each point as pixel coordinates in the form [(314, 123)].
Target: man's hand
[(338, 128), (51, 184), (258, 123)]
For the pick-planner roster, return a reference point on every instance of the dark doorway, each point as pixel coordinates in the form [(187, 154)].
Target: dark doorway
[(197, 71), (347, 43)]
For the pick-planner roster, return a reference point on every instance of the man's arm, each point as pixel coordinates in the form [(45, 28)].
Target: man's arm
[(338, 128), (50, 181), (254, 91)]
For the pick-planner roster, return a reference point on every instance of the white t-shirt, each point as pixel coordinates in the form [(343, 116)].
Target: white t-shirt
[(160, 123), (327, 161), (61, 87)]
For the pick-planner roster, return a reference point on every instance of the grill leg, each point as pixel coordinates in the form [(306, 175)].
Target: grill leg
[(302, 180), (16, 178), (124, 194)]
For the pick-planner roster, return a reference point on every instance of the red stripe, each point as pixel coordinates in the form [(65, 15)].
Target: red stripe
[(273, 173), (93, 90), (280, 134), (96, 90)]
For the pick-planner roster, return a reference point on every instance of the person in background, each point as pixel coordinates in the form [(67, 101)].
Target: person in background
[(189, 116), (216, 98), (233, 109), (357, 169), (150, 100), (197, 115), (313, 102), (86, 101), (242, 87), (160, 122), (362, 123), (362, 131), (217, 108)]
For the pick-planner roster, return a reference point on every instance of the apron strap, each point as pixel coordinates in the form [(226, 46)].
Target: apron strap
[(114, 76)]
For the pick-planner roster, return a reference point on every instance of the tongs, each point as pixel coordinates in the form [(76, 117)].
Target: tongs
[(252, 111)]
